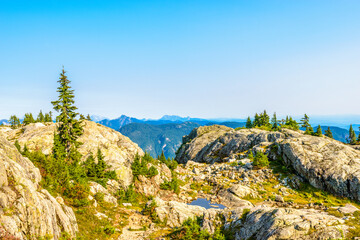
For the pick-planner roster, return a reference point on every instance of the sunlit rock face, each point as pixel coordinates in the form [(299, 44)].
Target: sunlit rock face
[(26, 210), (119, 151)]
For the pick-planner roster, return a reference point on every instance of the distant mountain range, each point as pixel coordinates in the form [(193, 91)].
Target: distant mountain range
[(4, 121), (157, 138), (165, 134)]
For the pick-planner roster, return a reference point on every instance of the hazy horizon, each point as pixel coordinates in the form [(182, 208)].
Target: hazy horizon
[(206, 59)]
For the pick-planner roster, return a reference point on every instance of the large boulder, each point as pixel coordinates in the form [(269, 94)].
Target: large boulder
[(26, 210), (264, 222), (119, 151), (175, 213), (325, 163), (218, 143), (198, 141)]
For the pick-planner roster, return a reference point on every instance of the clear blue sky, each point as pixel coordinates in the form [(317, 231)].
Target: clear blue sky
[(190, 58)]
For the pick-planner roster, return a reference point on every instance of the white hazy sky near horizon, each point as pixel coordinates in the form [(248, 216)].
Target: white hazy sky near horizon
[(202, 59)]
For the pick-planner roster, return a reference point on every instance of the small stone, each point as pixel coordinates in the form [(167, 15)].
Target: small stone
[(279, 198)]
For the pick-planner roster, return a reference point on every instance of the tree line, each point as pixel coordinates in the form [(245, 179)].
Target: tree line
[(263, 121)]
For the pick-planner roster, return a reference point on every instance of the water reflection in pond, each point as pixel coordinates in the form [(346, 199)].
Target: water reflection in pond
[(202, 202)]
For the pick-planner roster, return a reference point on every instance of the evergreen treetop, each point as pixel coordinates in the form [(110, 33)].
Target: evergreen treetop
[(248, 123), (305, 121), (69, 128), (328, 133), (318, 131), (352, 135)]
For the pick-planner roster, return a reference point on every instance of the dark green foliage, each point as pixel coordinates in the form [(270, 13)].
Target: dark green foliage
[(28, 119), (140, 166), (152, 172), (48, 117), (260, 160), (352, 135), (170, 163), (69, 129), (191, 230), (251, 155), (309, 130), (14, 121), (262, 120), (248, 123), (290, 123), (131, 196), (57, 175), (40, 117), (90, 167), (328, 133), (305, 121), (82, 117), (274, 122), (98, 172), (318, 131), (173, 185), (88, 117), (17, 145), (150, 211)]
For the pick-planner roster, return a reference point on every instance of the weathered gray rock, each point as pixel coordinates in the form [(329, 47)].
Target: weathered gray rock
[(242, 191), (26, 210), (284, 223), (325, 163), (348, 209), (119, 151), (175, 213), (229, 199), (198, 141), (96, 188)]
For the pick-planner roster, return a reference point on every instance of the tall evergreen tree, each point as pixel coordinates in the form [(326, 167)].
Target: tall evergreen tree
[(264, 119), (14, 121), (48, 117), (352, 135), (305, 121), (309, 130), (41, 117), (256, 122), (162, 157), (274, 122), (318, 131), (88, 117), (28, 118), (249, 123), (69, 128), (101, 164), (328, 133)]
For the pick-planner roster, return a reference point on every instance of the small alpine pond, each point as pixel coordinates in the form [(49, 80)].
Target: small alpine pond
[(202, 202)]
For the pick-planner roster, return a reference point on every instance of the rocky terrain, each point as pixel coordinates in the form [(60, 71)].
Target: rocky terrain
[(26, 210), (119, 151), (308, 190)]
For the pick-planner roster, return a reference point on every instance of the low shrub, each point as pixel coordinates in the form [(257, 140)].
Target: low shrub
[(260, 160)]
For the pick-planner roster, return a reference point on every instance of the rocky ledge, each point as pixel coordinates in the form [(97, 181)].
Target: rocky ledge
[(325, 163), (26, 210), (119, 151)]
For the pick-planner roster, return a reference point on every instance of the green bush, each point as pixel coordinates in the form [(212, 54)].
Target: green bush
[(173, 185), (260, 160), (139, 166), (98, 172), (191, 230)]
